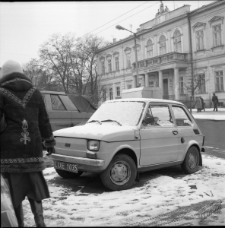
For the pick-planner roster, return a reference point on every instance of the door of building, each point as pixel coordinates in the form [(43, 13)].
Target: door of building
[(165, 89)]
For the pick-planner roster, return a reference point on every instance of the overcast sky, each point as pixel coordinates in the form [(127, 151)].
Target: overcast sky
[(24, 26)]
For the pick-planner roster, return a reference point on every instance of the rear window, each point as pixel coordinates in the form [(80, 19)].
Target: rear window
[(181, 117)]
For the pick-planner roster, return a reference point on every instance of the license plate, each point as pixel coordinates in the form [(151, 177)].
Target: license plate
[(66, 166)]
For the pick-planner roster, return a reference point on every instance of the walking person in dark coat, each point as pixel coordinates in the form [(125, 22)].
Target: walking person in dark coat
[(215, 102), (21, 142), (203, 104)]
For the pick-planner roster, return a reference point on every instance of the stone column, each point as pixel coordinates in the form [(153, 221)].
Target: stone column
[(146, 80), (134, 81), (176, 83), (161, 82)]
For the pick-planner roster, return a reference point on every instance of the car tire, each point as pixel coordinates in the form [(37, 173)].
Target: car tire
[(120, 174), (191, 161), (65, 174)]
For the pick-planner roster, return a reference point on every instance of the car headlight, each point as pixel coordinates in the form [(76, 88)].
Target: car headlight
[(93, 145)]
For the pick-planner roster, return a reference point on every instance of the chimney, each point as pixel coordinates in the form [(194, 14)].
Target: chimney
[(114, 40)]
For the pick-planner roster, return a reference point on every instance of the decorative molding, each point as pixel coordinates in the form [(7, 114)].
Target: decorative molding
[(108, 56), (199, 24), (102, 58), (216, 18), (127, 49), (116, 53)]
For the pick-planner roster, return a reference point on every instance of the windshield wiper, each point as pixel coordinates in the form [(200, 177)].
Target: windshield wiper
[(112, 121), (95, 121)]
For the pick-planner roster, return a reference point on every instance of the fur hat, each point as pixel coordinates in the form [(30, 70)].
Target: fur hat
[(9, 67)]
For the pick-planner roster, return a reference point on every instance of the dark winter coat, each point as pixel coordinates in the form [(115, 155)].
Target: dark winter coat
[(27, 123), (215, 99)]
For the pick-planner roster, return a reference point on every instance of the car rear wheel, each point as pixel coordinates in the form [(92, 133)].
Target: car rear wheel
[(191, 161), (120, 174), (65, 174)]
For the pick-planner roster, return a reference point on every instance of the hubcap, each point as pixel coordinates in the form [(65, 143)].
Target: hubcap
[(120, 173), (192, 160)]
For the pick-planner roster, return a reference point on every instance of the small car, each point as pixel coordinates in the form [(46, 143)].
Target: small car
[(127, 136), (63, 111)]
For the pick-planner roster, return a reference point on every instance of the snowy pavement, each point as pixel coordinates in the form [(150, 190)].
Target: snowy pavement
[(162, 199), (209, 114)]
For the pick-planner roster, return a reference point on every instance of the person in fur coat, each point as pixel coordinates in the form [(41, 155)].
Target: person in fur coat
[(21, 142)]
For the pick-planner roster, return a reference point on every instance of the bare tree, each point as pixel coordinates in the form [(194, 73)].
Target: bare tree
[(40, 76), (54, 55)]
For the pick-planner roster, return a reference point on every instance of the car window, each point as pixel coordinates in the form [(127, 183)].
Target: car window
[(162, 115), (57, 103), (181, 118)]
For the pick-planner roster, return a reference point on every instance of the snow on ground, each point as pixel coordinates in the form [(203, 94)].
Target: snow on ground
[(154, 203), (209, 114)]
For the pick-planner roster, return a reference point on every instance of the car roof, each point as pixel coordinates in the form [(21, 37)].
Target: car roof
[(52, 92), (146, 100)]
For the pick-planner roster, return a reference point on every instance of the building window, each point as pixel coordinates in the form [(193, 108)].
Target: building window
[(117, 63), (162, 45), (201, 83), (151, 83), (110, 65), (181, 85), (128, 62), (219, 81), (217, 35), (104, 94), (118, 91), (103, 67), (149, 48), (110, 93), (199, 40), (177, 41)]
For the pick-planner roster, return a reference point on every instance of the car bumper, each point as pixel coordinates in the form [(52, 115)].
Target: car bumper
[(83, 164)]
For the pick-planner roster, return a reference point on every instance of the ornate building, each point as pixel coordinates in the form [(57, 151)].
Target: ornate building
[(170, 49)]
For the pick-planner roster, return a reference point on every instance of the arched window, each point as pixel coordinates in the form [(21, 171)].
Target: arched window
[(162, 45), (117, 63), (109, 65), (149, 48), (177, 41)]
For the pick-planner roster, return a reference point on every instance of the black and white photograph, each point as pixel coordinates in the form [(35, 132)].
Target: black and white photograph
[(112, 113)]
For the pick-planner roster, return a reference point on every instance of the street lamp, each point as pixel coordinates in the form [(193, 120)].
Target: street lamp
[(135, 46)]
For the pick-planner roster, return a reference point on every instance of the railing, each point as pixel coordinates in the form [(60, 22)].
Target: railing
[(166, 58)]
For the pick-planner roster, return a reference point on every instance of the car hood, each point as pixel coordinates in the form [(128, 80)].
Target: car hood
[(104, 132)]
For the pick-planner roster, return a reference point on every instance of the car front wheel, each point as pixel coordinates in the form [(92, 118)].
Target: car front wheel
[(120, 174), (191, 161), (65, 174)]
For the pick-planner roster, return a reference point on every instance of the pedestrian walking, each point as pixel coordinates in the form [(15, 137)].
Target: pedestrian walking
[(198, 104), (215, 102), (21, 150), (203, 104)]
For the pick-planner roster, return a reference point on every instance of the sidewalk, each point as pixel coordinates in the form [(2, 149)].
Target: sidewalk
[(209, 114)]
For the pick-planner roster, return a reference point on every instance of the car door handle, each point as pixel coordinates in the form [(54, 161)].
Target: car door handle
[(175, 132)]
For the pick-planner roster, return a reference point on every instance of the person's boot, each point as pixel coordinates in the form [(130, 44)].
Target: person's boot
[(37, 210), (19, 215)]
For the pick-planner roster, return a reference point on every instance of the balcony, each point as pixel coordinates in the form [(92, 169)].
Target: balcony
[(166, 58)]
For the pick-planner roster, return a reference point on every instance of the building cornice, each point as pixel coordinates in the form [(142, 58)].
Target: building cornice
[(143, 32), (207, 7)]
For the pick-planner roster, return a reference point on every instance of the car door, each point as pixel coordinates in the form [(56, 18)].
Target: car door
[(186, 130), (159, 140)]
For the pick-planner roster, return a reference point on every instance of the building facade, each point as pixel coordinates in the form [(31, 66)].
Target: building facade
[(173, 50)]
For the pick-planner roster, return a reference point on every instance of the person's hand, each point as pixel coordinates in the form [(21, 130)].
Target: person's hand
[(51, 150)]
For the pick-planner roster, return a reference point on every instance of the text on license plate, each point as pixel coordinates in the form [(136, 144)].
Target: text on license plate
[(65, 166)]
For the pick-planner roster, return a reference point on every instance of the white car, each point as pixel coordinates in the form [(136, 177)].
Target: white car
[(127, 136)]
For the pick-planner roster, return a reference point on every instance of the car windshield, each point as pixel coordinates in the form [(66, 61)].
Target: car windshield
[(125, 112)]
